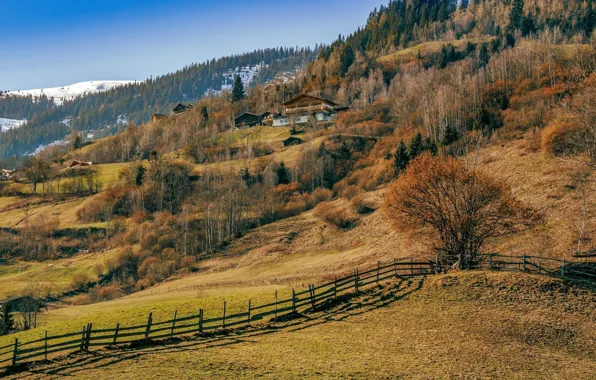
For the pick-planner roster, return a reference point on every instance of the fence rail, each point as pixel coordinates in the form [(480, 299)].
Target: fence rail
[(21, 352)]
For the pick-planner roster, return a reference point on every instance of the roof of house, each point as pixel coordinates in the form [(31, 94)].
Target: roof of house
[(247, 114), (182, 107), (309, 97), (75, 163)]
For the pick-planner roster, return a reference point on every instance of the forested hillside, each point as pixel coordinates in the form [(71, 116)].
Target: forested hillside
[(137, 102)]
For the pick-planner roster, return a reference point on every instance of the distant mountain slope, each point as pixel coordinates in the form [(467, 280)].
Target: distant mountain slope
[(137, 101), (61, 94)]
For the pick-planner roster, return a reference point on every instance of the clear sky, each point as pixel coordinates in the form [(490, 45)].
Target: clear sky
[(50, 43)]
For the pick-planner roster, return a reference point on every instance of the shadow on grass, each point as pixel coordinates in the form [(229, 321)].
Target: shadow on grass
[(334, 310)]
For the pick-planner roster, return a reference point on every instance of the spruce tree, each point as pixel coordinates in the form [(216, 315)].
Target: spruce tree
[(516, 15), (238, 90), (283, 175), (451, 135), (140, 175), (431, 146), (347, 59), (205, 113), (401, 158), (6, 320), (416, 146)]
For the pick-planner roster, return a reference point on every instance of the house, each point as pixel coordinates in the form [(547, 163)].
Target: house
[(181, 108), (280, 120), (6, 174), (303, 108), (247, 120), (158, 117), (292, 141), (78, 164)]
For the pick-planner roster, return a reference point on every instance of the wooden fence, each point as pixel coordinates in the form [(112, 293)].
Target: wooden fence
[(48, 346)]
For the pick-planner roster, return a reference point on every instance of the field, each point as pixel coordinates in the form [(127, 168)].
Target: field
[(445, 326), (425, 49), (52, 277)]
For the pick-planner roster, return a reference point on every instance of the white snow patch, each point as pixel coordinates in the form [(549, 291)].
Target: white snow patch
[(61, 94), (8, 124), (42, 147)]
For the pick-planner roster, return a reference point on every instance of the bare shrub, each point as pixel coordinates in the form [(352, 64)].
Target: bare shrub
[(335, 215), (363, 204), (459, 207), (80, 281)]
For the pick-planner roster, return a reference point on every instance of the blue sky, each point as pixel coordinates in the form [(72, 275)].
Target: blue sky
[(49, 43)]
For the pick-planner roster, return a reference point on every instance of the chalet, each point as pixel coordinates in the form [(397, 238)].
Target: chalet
[(181, 108), (303, 108), (78, 164), (292, 141), (158, 117), (247, 120), (6, 174)]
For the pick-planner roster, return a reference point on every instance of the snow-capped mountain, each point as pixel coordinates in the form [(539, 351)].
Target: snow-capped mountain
[(8, 124), (60, 94)]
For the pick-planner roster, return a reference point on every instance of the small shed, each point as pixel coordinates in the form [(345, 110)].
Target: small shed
[(290, 141)]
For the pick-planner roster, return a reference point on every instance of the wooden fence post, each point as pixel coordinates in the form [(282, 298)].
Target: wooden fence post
[(83, 338), (411, 265), (311, 291), (200, 320), (173, 324), (378, 271), (293, 300), (276, 304), (524, 263), (356, 280), (563, 269), (15, 352), (149, 322), (223, 320), (490, 261), (116, 333), (335, 288), (45, 347), (395, 267), (249, 301), (88, 336), (437, 264)]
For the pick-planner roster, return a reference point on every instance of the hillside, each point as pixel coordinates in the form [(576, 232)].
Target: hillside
[(441, 132), (443, 326)]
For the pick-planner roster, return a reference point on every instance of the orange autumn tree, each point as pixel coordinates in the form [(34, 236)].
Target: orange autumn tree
[(460, 208)]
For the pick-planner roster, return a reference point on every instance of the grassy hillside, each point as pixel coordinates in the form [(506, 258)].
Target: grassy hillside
[(443, 326)]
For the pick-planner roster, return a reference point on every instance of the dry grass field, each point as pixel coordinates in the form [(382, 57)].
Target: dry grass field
[(477, 324)]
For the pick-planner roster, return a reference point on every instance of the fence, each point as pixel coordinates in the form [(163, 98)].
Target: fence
[(88, 337)]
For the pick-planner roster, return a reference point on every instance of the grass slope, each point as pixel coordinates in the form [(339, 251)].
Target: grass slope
[(477, 324)]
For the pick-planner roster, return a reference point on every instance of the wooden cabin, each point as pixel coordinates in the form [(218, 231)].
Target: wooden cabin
[(303, 108), (290, 141), (6, 174), (247, 120), (158, 116)]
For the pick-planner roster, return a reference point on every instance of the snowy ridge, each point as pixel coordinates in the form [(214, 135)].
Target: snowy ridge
[(61, 94), (8, 124), (247, 74)]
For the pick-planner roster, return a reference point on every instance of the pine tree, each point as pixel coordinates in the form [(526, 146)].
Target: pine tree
[(245, 176), (140, 175), (416, 146), (6, 320), (205, 113), (431, 146), (76, 140), (238, 90), (516, 15), (401, 158), (347, 59), (451, 135), (283, 175)]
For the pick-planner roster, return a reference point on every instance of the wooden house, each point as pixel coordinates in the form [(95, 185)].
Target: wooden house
[(6, 174), (303, 108), (158, 117), (247, 120)]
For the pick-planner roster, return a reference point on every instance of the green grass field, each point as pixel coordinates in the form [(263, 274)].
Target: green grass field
[(468, 325)]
